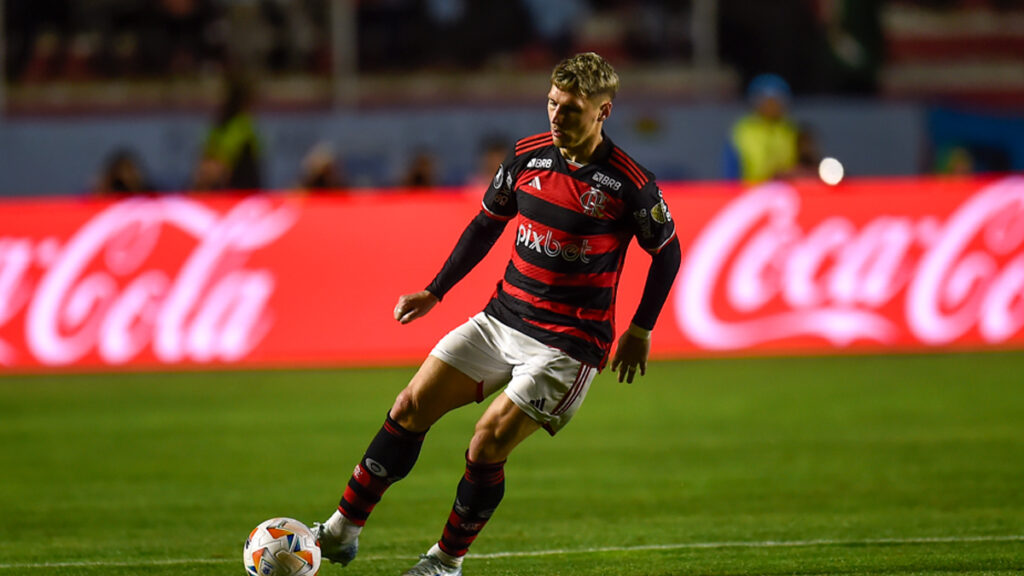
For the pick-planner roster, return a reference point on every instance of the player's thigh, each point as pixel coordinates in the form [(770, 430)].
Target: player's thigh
[(477, 348), (550, 387), (501, 428), (465, 366), (436, 389)]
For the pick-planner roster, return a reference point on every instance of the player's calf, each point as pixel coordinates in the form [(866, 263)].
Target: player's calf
[(390, 456), (477, 497)]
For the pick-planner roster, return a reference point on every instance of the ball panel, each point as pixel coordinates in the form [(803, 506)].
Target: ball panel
[(281, 547)]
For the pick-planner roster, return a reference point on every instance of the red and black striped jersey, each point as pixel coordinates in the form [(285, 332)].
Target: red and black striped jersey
[(573, 226)]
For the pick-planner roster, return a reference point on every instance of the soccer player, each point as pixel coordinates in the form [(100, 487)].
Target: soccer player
[(577, 201)]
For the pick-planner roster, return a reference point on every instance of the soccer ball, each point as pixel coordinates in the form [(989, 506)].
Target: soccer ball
[(281, 547)]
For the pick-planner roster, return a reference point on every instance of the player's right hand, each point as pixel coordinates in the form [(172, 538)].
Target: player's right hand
[(412, 306)]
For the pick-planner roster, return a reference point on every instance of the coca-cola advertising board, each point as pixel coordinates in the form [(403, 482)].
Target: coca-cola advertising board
[(284, 280)]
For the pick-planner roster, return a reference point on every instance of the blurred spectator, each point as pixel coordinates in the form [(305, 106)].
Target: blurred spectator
[(321, 170), (392, 35), (122, 175), (492, 153), (35, 34), (763, 144), (232, 151), (50, 40), (781, 36), (179, 41), (446, 22), (209, 175), (297, 41), (959, 162), (808, 154), (494, 30), (956, 161), (448, 33), (62, 40), (820, 46), (555, 24), (855, 45), (657, 32), (46, 57), (422, 171)]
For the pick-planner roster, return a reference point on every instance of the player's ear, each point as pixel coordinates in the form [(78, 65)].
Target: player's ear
[(606, 111)]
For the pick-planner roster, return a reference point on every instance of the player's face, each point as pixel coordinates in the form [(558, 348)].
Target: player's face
[(576, 121)]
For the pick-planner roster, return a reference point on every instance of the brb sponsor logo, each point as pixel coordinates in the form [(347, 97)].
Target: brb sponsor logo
[(754, 274), (545, 243), (168, 275), (607, 181)]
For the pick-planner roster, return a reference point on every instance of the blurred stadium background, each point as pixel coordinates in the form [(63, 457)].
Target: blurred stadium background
[(899, 87), (849, 459)]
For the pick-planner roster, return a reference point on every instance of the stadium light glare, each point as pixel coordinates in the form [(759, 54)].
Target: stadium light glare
[(830, 171)]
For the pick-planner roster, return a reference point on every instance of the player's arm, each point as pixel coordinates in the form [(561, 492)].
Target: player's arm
[(656, 233), (635, 343), (499, 206), (476, 241)]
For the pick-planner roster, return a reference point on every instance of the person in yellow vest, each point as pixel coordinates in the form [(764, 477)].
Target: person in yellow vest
[(763, 144), (231, 157)]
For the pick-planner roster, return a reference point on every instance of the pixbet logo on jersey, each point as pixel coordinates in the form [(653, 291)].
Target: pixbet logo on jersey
[(543, 243)]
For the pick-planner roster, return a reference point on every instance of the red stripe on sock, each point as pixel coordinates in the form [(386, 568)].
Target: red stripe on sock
[(459, 534), (486, 474), (372, 483), (355, 506), (396, 430)]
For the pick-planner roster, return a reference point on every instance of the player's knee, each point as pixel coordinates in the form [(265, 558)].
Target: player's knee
[(404, 409), (489, 443)]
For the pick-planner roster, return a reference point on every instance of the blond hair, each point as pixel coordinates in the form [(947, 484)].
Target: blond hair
[(586, 74)]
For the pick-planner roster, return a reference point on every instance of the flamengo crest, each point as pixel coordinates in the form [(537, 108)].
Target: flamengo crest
[(593, 202)]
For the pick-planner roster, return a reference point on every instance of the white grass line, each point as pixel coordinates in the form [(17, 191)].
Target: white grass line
[(763, 544), (555, 552)]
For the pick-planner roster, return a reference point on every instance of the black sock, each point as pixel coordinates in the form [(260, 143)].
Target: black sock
[(389, 458), (479, 493)]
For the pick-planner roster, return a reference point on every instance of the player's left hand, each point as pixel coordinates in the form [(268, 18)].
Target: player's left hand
[(631, 355)]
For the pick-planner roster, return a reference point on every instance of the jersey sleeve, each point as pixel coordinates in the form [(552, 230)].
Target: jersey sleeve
[(476, 241), (651, 219), (500, 199)]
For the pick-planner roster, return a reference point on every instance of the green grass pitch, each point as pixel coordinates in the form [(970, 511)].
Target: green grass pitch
[(851, 465)]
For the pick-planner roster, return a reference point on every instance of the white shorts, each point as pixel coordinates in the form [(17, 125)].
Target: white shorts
[(546, 383)]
